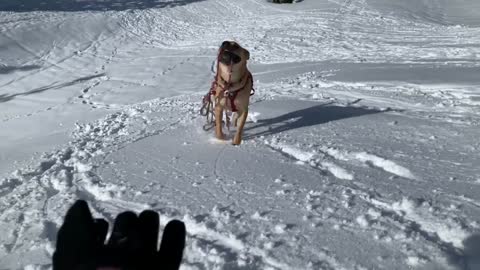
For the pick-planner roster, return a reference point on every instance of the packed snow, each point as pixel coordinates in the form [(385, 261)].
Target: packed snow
[(361, 150)]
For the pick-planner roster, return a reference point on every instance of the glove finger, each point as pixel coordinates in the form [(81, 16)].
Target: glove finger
[(148, 236), (173, 243), (75, 238), (148, 231), (125, 232), (77, 228), (101, 229), (78, 212)]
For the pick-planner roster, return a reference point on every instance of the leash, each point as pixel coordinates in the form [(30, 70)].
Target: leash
[(207, 109)]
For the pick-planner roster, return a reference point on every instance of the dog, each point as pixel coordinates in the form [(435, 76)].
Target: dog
[(232, 87)]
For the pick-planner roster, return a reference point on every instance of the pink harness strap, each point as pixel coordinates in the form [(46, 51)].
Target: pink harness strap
[(230, 95)]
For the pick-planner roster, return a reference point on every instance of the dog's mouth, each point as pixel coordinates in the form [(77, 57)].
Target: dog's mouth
[(229, 58)]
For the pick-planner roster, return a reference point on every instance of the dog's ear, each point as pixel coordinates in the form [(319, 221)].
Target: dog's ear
[(247, 54)]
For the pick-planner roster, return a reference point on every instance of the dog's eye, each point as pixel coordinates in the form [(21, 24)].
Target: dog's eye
[(236, 59)]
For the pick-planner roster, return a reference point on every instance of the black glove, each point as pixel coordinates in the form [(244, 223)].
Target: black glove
[(132, 244)]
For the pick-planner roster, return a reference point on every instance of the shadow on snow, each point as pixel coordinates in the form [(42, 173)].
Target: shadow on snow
[(307, 117), (8, 97), (88, 5), (11, 69)]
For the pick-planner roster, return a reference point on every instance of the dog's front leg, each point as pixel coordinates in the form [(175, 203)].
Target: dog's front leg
[(235, 118), (242, 118), (218, 122)]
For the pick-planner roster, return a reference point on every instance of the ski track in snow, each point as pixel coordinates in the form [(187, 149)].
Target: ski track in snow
[(376, 161), (327, 202), (304, 157), (364, 158)]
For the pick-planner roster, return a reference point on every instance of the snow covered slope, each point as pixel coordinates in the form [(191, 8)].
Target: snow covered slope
[(361, 150)]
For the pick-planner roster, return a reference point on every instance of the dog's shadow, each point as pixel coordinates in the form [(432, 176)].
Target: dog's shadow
[(315, 115)]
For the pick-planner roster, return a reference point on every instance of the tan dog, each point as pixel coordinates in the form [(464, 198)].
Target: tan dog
[(232, 87)]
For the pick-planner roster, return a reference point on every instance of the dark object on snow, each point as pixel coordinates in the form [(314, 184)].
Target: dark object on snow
[(282, 1), (132, 244)]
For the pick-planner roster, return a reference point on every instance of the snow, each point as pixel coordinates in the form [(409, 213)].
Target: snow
[(451, 232), (360, 150)]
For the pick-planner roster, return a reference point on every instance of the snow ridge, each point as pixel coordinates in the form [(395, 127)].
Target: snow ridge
[(367, 158), (303, 157)]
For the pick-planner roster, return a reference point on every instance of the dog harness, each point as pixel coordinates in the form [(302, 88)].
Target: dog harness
[(228, 89)]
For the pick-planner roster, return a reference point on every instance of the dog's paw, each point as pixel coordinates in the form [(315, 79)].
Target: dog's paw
[(236, 141), (220, 136)]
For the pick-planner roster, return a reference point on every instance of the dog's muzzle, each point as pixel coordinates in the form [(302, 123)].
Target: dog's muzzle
[(229, 58)]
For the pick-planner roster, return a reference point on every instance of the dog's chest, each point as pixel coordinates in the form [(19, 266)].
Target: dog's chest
[(231, 74)]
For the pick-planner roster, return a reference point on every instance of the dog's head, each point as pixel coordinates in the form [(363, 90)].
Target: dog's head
[(232, 53)]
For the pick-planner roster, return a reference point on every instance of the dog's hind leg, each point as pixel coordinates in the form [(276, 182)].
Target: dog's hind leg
[(242, 118), (218, 122)]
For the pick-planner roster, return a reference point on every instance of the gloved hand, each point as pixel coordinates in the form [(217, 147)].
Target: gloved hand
[(132, 244)]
